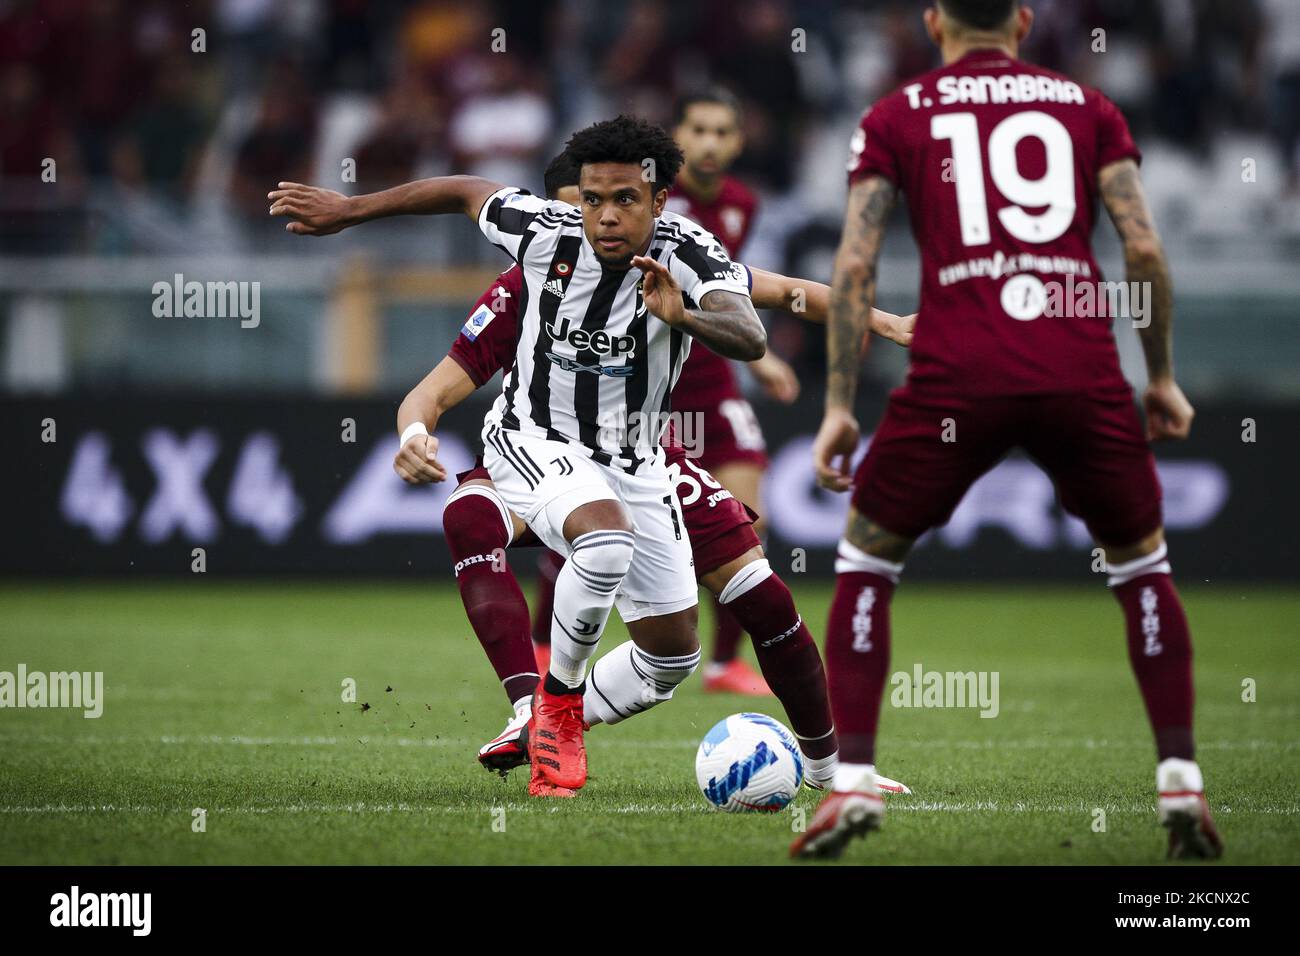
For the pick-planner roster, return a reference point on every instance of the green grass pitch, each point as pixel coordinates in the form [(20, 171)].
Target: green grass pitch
[(227, 697)]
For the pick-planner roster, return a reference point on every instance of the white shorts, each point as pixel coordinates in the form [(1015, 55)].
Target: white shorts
[(544, 482)]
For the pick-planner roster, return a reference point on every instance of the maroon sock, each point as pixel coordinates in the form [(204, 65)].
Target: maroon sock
[(548, 566), (726, 633), (857, 660), (493, 602), (1160, 650), (788, 658)]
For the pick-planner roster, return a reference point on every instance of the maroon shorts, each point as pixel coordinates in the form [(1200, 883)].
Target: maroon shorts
[(719, 526), (1090, 444), (729, 434)]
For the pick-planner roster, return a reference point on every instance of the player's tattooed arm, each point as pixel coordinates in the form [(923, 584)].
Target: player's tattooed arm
[(1169, 413), (1144, 260), (853, 294), (725, 321), (314, 211), (853, 287), (444, 388)]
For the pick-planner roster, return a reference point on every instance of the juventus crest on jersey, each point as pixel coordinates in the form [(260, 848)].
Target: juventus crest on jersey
[(593, 367)]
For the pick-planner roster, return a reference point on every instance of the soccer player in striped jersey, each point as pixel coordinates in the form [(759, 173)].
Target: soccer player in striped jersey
[(615, 291), (729, 558)]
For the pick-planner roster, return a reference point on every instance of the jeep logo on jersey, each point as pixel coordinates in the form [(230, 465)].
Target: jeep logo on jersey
[(599, 341)]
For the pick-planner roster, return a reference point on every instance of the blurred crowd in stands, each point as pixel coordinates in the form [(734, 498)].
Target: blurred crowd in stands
[(127, 93)]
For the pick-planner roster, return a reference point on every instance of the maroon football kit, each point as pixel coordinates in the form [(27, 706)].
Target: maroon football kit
[(718, 524), (707, 385), (998, 162)]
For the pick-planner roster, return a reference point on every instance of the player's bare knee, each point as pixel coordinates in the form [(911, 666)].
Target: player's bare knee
[(870, 538), (1123, 554), (668, 635), (1148, 556), (717, 579), (603, 515), (868, 548), (745, 580)]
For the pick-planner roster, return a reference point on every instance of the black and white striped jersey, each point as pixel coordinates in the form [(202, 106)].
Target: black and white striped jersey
[(593, 368)]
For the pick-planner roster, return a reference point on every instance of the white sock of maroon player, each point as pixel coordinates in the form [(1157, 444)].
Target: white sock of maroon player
[(1159, 648), (857, 655), (584, 594), (788, 658), (628, 680)]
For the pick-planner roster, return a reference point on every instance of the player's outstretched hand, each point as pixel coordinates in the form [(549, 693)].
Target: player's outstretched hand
[(417, 461), (660, 291), (833, 449), (313, 211), (1169, 413), (896, 328), (776, 377)]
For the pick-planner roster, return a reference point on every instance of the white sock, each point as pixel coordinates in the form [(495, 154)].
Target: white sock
[(584, 593), (821, 770), (627, 681), (1174, 774), (855, 776), (524, 704)]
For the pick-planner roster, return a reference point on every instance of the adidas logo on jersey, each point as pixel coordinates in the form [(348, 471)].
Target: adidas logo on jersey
[(555, 287)]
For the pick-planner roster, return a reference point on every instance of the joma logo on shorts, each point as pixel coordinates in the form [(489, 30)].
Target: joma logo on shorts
[(599, 341)]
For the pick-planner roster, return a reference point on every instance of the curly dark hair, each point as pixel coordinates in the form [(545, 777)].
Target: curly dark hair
[(562, 171), (627, 139)]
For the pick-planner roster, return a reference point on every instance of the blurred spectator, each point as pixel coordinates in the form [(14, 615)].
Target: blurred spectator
[(350, 56), (33, 130), (404, 139), (161, 145), (500, 131), (279, 147), (638, 69), (108, 77), (755, 58)]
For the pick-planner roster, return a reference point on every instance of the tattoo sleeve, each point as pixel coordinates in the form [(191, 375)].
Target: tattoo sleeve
[(1144, 261), (727, 323), (853, 288)]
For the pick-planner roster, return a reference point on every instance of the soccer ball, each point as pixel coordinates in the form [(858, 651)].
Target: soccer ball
[(748, 763)]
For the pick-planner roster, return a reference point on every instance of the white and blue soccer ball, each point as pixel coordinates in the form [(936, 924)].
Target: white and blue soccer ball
[(749, 763)]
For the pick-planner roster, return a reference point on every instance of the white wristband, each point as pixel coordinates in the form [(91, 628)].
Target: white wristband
[(413, 429)]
